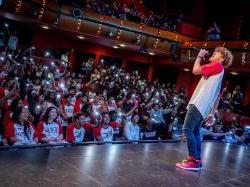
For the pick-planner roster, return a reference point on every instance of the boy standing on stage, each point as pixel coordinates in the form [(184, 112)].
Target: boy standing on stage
[(203, 102)]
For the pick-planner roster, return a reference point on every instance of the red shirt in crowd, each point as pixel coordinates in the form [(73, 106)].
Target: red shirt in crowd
[(51, 130), (105, 134), (15, 130), (75, 134)]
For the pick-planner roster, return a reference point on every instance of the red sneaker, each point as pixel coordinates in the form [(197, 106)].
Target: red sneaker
[(190, 164)]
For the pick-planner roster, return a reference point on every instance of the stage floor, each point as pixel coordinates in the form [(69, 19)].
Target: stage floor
[(124, 165)]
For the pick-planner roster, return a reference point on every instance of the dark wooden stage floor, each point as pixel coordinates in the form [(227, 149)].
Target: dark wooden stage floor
[(124, 165)]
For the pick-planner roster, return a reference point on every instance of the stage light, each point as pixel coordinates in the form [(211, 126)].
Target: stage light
[(151, 53), (122, 45), (81, 37), (45, 27), (115, 47), (186, 69), (234, 73), (6, 25), (79, 25), (41, 12)]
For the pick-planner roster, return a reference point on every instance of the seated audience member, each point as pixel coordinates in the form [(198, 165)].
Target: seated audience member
[(117, 126), (217, 132), (48, 130), (17, 102), (20, 131), (156, 115), (75, 131), (247, 134), (149, 132), (237, 134), (132, 129), (175, 126), (104, 132)]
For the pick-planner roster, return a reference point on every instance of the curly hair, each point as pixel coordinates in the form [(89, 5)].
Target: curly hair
[(227, 55)]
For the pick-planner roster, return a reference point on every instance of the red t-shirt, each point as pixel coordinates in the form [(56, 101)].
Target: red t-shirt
[(68, 109), (106, 134), (75, 134), (77, 107), (2, 92), (14, 130), (7, 118), (212, 68)]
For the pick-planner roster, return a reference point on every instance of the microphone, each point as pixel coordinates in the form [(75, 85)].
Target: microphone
[(198, 49)]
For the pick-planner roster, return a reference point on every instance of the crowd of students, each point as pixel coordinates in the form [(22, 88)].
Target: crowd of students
[(44, 101)]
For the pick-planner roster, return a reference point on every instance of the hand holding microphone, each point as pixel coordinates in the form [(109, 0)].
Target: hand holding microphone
[(202, 54)]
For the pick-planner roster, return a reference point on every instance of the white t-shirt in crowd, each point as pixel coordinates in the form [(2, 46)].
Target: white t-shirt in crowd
[(51, 130), (20, 135), (132, 131), (79, 134)]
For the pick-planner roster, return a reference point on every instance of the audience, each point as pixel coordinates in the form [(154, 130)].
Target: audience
[(43, 101), (232, 101), (20, 131), (131, 13)]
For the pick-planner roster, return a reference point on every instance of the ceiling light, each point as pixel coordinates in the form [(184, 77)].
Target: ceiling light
[(115, 47), (122, 45), (234, 73), (186, 69), (151, 53), (81, 37), (45, 27)]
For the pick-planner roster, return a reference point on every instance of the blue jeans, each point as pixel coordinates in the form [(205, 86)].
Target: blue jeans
[(191, 129)]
